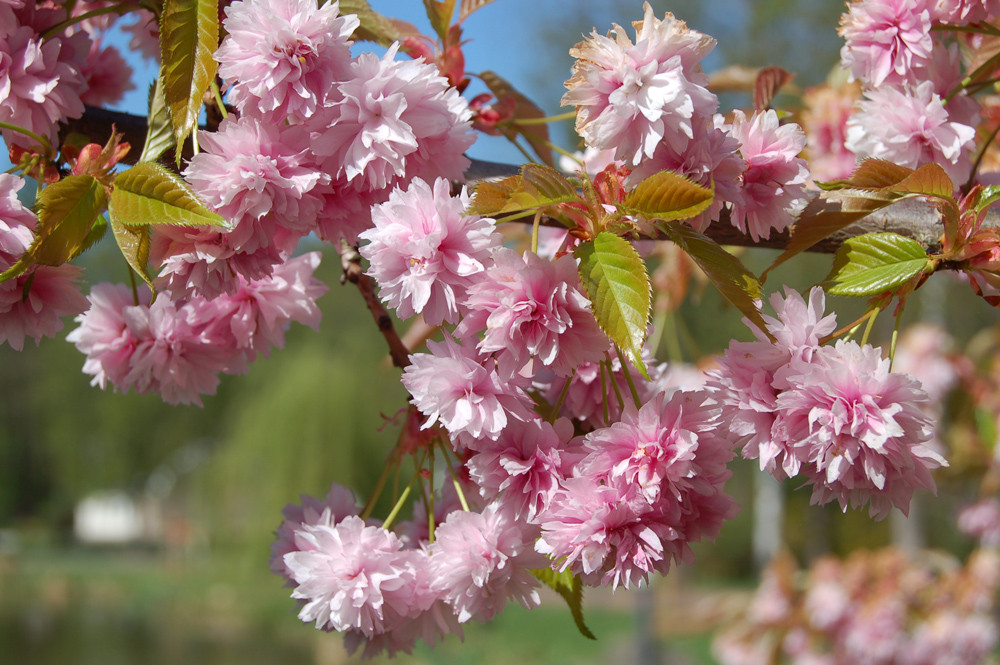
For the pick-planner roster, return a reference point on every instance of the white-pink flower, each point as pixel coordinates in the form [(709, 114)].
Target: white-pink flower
[(885, 40), (281, 58), (857, 429), (631, 97), (425, 251), (479, 561), (533, 308), (350, 575), (40, 82), (107, 74), (910, 126), (452, 386), (393, 121), (774, 181), (32, 304), (338, 504)]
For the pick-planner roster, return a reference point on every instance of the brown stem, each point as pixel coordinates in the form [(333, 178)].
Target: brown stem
[(350, 261)]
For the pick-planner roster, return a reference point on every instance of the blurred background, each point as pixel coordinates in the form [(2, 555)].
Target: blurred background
[(135, 532)]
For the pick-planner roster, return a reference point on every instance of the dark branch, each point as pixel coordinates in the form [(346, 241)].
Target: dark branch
[(911, 218)]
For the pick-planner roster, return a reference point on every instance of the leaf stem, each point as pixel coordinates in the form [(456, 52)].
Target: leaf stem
[(73, 20), (454, 476), (399, 504), (534, 231), (872, 315), (218, 100), (542, 121), (562, 397), (42, 141), (628, 377), (379, 486)]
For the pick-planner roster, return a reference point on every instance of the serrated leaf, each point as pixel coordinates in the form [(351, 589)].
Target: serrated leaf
[(537, 186), (133, 241), (439, 13), (149, 194), (617, 282), (732, 279), (569, 586), (928, 180), (67, 212), (875, 263), (524, 109), (466, 7), (668, 196), (159, 132), (189, 35), (820, 220), (373, 27), (871, 174), (988, 196), (769, 82)]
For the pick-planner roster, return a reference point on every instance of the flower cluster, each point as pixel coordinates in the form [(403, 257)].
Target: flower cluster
[(648, 102), (835, 415), (877, 607), (913, 111)]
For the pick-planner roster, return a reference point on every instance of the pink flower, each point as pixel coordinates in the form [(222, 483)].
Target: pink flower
[(857, 430), (886, 39), (251, 170), (963, 12), (981, 520), (424, 251), (523, 466), (40, 82), (107, 74), (450, 385), (774, 181), (394, 121), (281, 57), (350, 575), (631, 97), (338, 504), (32, 304), (479, 561), (530, 307), (911, 127), (824, 121), (649, 486), (254, 318), (150, 348)]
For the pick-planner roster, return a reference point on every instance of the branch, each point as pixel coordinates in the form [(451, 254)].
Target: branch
[(350, 260), (912, 218)]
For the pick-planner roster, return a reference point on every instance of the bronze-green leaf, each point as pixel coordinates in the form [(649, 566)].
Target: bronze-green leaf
[(569, 586), (737, 284), (871, 174), (373, 27), (148, 194), (617, 282), (537, 186), (189, 35), (67, 213), (875, 263), (466, 7), (668, 196), (133, 241), (524, 109), (439, 13), (159, 132)]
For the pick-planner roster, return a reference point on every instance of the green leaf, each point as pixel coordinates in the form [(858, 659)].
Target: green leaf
[(189, 35), (737, 284), (159, 132), (668, 196), (569, 586), (439, 13), (67, 212), (988, 196), (875, 263), (618, 285), (148, 194), (536, 187), (133, 241), (537, 135), (374, 27)]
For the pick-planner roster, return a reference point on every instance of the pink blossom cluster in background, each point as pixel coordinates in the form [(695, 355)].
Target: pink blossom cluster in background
[(910, 67), (878, 608)]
